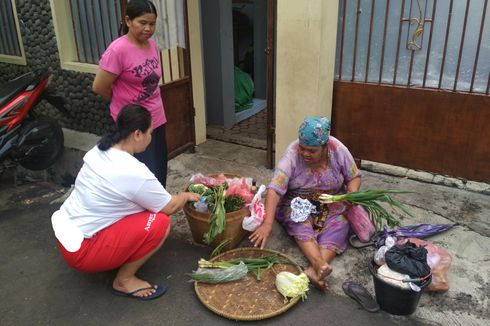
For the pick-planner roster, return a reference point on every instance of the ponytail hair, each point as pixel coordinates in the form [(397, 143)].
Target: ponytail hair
[(132, 117), (136, 8)]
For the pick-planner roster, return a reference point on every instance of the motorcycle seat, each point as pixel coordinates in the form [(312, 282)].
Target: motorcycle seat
[(13, 87)]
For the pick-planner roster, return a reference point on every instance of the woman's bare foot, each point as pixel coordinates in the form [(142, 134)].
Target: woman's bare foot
[(133, 284), (317, 281), (324, 270)]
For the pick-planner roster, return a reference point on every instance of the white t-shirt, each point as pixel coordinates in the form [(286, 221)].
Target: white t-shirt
[(111, 185)]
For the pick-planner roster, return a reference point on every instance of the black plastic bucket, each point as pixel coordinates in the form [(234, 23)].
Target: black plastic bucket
[(393, 299)]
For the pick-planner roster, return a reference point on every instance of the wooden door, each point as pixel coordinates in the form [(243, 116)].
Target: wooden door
[(177, 97), (271, 130)]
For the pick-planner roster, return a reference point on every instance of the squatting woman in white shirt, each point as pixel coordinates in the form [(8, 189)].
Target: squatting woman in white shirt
[(117, 214)]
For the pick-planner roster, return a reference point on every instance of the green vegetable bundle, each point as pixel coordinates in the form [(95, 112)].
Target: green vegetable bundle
[(218, 215), (368, 199), (220, 275), (254, 265), (291, 285), (218, 204)]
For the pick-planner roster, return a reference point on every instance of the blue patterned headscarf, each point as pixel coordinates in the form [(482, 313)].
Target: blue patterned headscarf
[(314, 131)]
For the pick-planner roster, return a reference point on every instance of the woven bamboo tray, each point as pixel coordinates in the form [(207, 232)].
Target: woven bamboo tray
[(247, 299)]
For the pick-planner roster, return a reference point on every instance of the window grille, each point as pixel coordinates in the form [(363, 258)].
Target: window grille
[(9, 42), (95, 25)]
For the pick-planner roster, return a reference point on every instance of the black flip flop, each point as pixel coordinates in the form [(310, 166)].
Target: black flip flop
[(356, 243), (359, 293)]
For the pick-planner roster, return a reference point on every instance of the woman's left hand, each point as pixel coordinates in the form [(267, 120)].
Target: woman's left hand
[(259, 237)]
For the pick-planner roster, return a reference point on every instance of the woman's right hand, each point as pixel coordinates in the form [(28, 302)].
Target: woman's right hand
[(178, 201), (191, 196)]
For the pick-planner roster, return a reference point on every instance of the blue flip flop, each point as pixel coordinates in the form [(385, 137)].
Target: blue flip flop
[(159, 291)]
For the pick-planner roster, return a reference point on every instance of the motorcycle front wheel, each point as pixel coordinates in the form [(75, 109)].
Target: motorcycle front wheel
[(41, 143)]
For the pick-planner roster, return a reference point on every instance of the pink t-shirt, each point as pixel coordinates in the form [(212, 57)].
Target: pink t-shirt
[(138, 72)]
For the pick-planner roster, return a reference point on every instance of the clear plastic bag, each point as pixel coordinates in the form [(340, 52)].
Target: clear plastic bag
[(220, 275), (439, 261)]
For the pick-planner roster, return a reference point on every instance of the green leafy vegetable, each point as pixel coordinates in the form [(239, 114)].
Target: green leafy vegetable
[(198, 188), (220, 275), (233, 203), (218, 215), (368, 199), (254, 265), (291, 285)]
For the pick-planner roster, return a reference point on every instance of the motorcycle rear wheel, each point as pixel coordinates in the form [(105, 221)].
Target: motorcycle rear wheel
[(41, 145)]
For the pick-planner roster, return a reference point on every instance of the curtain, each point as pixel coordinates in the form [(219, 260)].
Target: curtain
[(170, 25)]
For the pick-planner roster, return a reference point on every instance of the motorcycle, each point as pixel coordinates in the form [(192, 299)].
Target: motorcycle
[(27, 137)]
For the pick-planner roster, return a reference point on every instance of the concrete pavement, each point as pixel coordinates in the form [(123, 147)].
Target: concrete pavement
[(38, 288)]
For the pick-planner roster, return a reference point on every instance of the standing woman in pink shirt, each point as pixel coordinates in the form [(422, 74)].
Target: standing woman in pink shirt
[(129, 72)]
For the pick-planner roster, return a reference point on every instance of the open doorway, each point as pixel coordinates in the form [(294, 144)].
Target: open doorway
[(235, 39)]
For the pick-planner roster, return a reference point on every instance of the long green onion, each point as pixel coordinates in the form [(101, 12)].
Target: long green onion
[(254, 265), (368, 199)]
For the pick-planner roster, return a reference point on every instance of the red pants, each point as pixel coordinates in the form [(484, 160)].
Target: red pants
[(127, 240)]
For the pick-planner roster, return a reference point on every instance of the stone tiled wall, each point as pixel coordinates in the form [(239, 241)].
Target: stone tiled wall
[(88, 112)]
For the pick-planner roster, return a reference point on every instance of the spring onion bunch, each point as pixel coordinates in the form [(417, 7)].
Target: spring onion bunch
[(369, 200), (254, 265)]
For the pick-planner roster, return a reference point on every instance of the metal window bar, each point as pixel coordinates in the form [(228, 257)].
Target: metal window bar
[(423, 19), (368, 56), (429, 46), (461, 46), (342, 39), (387, 11), (9, 42), (439, 60), (448, 27), (354, 60), (412, 54), (488, 84), (477, 56), (397, 56)]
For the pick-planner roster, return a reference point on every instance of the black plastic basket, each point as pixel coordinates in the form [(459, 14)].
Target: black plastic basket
[(393, 299)]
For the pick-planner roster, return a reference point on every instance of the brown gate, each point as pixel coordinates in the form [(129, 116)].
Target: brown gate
[(412, 84)]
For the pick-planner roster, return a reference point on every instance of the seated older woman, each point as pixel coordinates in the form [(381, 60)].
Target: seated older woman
[(118, 213), (316, 163)]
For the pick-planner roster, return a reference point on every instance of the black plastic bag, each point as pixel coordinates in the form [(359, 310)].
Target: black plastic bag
[(408, 259)]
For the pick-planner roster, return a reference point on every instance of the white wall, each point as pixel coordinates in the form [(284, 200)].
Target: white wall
[(197, 69), (305, 58)]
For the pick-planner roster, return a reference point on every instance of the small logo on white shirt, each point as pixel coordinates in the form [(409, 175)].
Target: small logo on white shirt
[(151, 218)]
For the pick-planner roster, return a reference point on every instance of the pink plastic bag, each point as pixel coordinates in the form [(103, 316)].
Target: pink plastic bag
[(208, 181), (439, 261), (360, 222), (239, 187)]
